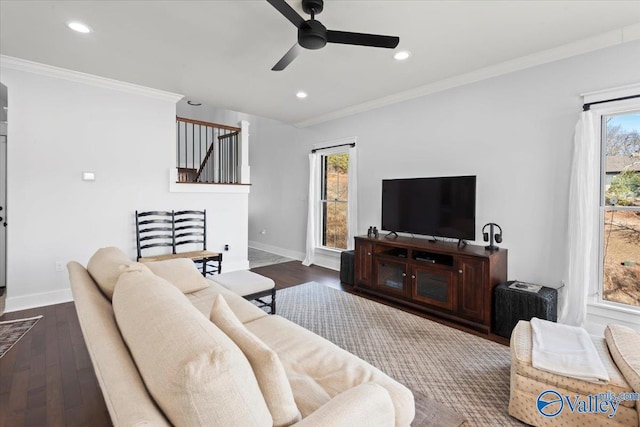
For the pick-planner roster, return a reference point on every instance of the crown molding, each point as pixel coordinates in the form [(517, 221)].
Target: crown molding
[(90, 79), (608, 39)]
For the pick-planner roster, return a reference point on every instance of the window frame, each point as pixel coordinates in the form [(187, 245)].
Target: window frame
[(320, 178), (600, 112)]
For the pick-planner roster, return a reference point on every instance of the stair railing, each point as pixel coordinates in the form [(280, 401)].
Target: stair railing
[(207, 152)]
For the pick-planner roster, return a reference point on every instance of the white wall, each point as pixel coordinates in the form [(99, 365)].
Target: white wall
[(515, 132), (60, 128), (280, 187)]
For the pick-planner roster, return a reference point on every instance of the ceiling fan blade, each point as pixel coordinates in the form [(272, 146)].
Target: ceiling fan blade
[(288, 58), (360, 39), (288, 12)]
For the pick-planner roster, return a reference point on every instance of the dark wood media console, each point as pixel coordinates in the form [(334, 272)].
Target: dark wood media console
[(438, 278)]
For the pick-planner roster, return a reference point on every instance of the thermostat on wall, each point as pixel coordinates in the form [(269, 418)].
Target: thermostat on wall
[(88, 176)]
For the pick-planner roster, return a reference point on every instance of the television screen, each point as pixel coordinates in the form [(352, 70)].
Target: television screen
[(444, 207)]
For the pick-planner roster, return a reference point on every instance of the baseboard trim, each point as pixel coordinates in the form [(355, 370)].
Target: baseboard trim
[(327, 260), (277, 250), (228, 267), (26, 302), (330, 261)]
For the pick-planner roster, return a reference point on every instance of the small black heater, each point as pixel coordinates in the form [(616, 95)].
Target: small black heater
[(515, 301)]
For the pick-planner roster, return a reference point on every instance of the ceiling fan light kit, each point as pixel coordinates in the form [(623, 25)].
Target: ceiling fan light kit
[(313, 35)]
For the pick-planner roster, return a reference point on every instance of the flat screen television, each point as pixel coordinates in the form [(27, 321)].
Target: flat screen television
[(443, 206)]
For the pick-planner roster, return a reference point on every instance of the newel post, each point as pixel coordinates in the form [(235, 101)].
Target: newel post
[(245, 173)]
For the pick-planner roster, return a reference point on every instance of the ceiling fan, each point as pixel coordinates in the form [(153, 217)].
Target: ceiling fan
[(313, 35)]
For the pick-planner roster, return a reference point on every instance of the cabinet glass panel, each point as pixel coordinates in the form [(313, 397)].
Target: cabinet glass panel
[(391, 276), (432, 286)]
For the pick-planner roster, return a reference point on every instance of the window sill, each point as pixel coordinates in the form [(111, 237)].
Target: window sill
[(329, 251), (614, 312)]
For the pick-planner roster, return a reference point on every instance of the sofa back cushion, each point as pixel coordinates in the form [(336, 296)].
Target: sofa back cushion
[(624, 346), (194, 372), (266, 365), (181, 272), (105, 268)]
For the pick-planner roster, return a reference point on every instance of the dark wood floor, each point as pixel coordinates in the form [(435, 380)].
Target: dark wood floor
[(47, 379)]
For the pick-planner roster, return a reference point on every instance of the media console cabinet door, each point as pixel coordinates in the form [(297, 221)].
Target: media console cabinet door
[(364, 252), (434, 286), (472, 289), (391, 277)]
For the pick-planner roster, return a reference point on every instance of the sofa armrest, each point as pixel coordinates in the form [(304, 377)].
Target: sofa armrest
[(367, 405), (624, 346)]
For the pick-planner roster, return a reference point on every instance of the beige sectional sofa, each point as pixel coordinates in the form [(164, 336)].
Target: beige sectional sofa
[(160, 361)]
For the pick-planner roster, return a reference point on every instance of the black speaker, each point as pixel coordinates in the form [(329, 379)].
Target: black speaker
[(347, 270)]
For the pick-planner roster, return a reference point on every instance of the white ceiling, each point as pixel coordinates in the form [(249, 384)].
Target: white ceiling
[(221, 52)]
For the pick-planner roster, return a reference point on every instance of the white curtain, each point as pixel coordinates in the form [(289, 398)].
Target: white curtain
[(583, 227), (352, 201), (311, 214)]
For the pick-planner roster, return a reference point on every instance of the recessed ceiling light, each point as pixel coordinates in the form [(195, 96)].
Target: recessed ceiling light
[(301, 94), (402, 55), (79, 27)]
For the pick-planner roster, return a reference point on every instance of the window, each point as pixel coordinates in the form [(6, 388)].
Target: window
[(334, 194), (620, 208)]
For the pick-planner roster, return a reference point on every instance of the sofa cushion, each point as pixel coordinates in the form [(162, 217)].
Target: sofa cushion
[(266, 365), (624, 345), (181, 272), (318, 370), (104, 268), (194, 372), (243, 309), (366, 405)]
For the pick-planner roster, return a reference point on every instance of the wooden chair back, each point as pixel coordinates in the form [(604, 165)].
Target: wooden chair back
[(154, 229), (190, 228)]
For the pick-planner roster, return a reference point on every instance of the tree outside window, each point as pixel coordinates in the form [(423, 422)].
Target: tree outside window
[(621, 209), (334, 195)]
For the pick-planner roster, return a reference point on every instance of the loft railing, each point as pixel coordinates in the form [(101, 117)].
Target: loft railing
[(207, 152)]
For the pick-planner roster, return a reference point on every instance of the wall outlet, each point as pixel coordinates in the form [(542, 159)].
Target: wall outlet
[(264, 231), (226, 247), (59, 266)]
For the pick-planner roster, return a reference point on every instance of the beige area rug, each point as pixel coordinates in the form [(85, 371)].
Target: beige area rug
[(11, 331), (460, 371), (258, 258)]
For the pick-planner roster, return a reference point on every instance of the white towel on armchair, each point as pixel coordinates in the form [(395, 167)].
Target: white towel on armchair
[(566, 350)]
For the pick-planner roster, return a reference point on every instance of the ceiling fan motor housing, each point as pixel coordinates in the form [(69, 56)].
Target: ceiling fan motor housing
[(314, 6), (312, 35)]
